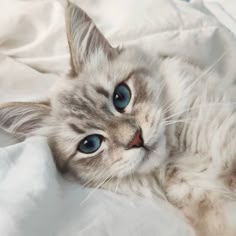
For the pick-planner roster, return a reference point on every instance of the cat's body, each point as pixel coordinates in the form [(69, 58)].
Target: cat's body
[(199, 176), (136, 123)]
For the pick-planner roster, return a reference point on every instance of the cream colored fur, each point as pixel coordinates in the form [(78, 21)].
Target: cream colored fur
[(186, 114)]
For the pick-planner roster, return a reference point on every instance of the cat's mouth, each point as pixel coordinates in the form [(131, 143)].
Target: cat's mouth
[(151, 158), (147, 155)]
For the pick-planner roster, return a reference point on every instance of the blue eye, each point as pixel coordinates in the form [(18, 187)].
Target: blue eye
[(90, 144), (121, 97)]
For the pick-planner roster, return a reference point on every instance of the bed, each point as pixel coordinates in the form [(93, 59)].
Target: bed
[(35, 200)]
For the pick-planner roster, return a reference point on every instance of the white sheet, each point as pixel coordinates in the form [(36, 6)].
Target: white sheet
[(34, 199)]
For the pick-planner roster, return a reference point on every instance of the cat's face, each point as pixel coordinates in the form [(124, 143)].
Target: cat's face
[(106, 120), (110, 118)]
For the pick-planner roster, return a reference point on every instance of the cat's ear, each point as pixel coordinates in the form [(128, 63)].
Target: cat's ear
[(84, 38), (24, 118)]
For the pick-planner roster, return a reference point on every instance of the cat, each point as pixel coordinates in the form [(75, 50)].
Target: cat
[(136, 123)]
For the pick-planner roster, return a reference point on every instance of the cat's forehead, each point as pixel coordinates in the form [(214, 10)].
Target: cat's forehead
[(83, 100), (90, 92)]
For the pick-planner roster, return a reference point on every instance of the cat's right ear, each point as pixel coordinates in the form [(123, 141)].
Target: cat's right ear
[(24, 118), (84, 38)]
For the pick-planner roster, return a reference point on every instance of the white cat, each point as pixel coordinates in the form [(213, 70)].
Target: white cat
[(135, 123)]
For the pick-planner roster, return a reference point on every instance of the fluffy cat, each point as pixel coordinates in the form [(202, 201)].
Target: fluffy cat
[(136, 123)]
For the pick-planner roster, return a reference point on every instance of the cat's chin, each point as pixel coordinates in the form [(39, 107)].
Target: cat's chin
[(151, 161)]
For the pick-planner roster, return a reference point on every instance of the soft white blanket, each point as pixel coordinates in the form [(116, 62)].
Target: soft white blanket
[(34, 199)]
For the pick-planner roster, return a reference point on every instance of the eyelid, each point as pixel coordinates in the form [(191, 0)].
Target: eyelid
[(128, 77), (94, 131), (130, 85), (133, 73)]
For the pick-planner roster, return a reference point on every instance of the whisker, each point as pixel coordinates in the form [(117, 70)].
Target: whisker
[(95, 189), (96, 176), (199, 107), (191, 86), (117, 185), (178, 121)]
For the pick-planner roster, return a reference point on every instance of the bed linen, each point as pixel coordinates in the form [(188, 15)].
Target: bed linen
[(35, 200)]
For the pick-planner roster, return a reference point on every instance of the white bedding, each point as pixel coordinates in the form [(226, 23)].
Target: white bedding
[(34, 198)]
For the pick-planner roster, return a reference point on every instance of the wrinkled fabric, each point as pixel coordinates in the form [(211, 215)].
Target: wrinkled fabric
[(35, 200)]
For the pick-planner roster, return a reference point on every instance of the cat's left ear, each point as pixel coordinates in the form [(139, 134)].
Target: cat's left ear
[(84, 38)]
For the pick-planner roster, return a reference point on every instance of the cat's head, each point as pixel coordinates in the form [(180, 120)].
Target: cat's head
[(106, 118)]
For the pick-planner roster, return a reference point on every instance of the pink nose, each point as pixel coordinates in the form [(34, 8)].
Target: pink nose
[(137, 140)]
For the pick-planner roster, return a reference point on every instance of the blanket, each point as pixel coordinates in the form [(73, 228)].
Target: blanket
[(35, 199)]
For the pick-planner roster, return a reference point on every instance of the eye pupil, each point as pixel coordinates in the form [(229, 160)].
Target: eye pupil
[(90, 144), (117, 96), (121, 97)]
